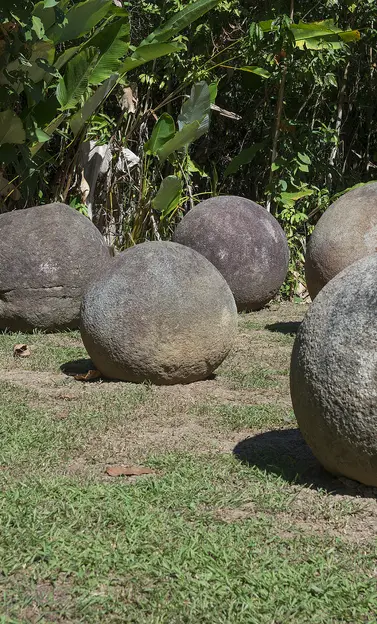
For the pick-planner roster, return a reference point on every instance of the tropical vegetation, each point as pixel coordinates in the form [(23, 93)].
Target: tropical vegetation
[(132, 112)]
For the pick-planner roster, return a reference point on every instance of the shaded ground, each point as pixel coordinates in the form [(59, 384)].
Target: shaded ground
[(239, 523)]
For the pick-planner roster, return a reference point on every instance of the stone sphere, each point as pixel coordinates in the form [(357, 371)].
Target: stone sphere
[(244, 242), (334, 374), (48, 254), (346, 232), (161, 313)]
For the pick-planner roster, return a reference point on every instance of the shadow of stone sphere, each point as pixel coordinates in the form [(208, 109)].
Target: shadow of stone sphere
[(286, 328), (77, 367), (83, 365), (285, 453)]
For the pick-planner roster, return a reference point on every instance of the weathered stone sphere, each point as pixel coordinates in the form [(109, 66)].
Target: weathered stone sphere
[(334, 374), (244, 242), (346, 232), (161, 313), (48, 254)]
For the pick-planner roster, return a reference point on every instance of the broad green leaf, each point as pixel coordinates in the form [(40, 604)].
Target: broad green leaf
[(65, 57), (38, 26), (113, 42), (349, 36), (194, 168), (330, 79), (150, 52), (45, 14), (292, 197), (243, 158), (49, 130), (168, 195), (41, 135), (50, 3), (80, 20), (321, 35), (213, 87), (304, 158), (196, 108), (78, 120), (163, 132), (179, 21), (253, 69), (76, 78), (41, 50), (255, 32), (266, 26), (180, 140), (11, 128), (314, 29), (330, 42), (46, 111)]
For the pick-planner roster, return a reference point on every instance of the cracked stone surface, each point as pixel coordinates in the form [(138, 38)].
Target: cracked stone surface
[(48, 256)]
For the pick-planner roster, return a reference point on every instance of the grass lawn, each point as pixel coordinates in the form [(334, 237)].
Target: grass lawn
[(238, 524)]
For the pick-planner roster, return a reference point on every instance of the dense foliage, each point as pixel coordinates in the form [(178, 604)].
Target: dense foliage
[(275, 101)]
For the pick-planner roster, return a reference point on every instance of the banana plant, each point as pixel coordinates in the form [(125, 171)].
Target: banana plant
[(170, 140), (316, 35), (75, 57)]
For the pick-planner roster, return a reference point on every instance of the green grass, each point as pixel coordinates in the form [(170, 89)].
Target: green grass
[(49, 351), (235, 417), (206, 539), (157, 552), (252, 378), (38, 437)]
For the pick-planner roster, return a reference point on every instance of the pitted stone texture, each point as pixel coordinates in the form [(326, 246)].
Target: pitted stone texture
[(48, 254), (346, 232), (334, 374), (244, 242), (161, 313)]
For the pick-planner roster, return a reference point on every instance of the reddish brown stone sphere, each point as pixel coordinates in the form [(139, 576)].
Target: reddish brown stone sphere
[(244, 242)]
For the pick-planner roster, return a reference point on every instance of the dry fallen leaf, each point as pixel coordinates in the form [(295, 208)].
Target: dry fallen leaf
[(62, 415), (127, 471), (89, 376), (21, 350)]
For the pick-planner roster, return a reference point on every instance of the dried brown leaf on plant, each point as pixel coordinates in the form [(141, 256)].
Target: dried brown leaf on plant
[(129, 100), (89, 376), (21, 350), (128, 471)]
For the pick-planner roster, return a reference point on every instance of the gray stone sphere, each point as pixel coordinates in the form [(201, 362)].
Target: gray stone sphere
[(334, 374), (162, 313), (346, 232), (48, 254), (244, 242)]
